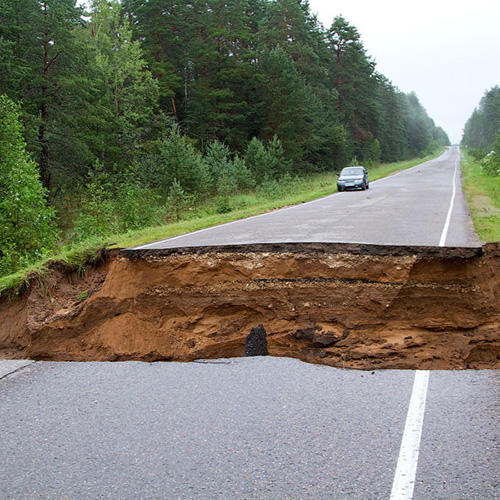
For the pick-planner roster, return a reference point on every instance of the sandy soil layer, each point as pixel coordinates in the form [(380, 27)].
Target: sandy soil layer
[(350, 306)]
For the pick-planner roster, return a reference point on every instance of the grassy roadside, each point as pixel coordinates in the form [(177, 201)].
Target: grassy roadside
[(76, 256), (482, 192)]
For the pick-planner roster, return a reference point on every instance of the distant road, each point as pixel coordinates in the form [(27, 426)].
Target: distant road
[(408, 208)]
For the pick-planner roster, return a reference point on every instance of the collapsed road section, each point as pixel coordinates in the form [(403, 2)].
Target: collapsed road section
[(344, 305)]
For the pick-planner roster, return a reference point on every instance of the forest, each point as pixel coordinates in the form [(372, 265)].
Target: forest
[(119, 115)]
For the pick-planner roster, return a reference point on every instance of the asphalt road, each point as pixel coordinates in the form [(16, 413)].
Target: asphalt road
[(408, 208), (246, 428)]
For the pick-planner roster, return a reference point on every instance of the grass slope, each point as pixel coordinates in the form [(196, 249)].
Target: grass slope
[(482, 192)]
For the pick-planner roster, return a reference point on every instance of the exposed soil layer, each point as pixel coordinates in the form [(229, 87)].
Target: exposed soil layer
[(353, 306)]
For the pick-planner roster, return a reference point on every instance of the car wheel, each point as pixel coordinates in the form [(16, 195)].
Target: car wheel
[(368, 186), (363, 187)]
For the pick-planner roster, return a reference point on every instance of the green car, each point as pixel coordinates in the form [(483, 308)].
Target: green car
[(353, 178)]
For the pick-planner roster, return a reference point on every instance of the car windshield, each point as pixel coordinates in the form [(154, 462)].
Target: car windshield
[(352, 171)]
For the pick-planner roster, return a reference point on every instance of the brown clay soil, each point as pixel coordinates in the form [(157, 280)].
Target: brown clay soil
[(350, 306)]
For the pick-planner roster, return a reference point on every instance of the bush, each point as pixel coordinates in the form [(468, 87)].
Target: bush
[(223, 205), (280, 165), (220, 169), (114, 204), (177, 201), (97, 216), (136, 206), (491, 164), (244, 178), (277, 188), (477, 154)]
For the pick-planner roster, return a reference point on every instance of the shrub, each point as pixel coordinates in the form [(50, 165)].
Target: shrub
[(97, 216), (220, 169), (491, 163), (136, 206), (177, 201), (277, 188), (113, 204), (244, 178)]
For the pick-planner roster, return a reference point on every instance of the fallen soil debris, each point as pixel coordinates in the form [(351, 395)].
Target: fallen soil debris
[(352, 306)]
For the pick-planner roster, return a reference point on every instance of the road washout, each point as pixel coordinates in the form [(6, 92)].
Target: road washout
[(343, 305)]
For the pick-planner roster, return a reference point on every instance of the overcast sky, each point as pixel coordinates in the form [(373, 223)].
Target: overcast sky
[(447, 51)]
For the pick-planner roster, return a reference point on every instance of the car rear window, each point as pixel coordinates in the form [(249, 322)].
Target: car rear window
[(352, 171)]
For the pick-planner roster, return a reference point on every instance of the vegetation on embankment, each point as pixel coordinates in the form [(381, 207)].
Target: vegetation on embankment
[(482, 191)]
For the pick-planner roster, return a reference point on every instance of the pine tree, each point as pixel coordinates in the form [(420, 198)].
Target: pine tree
[(18, 47), (287, 101), (223, 179), (173, 158), (355, 83), (418, 126), (39, 50), (162, 28), (125, 94), (223, 75), (392, 130)]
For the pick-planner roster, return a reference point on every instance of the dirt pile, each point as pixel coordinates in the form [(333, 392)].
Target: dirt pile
[(342, 305)]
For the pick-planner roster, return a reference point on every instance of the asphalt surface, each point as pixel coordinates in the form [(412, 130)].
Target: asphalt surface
[(408, 208), (246, 428)]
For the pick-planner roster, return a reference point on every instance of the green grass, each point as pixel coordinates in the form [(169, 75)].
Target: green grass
[(482, 192), (77, 256), (74, 257)]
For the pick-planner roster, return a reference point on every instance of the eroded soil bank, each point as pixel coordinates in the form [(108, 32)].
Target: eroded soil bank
[(343, 305)]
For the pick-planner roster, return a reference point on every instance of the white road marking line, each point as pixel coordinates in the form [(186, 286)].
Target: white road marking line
[(404, 478), (198, 231), (444, 234), (142, 247)]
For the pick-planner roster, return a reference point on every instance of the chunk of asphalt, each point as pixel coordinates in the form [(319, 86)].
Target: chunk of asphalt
[(256, 342)]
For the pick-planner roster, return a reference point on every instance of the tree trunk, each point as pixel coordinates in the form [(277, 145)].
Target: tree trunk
[(44, 147)]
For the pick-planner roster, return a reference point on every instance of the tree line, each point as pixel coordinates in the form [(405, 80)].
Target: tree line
[(187, 99), (483, 126), (482, 132)]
